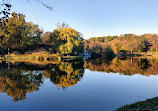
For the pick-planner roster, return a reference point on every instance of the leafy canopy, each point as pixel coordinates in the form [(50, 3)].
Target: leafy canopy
[(65, 40), (18, 34)]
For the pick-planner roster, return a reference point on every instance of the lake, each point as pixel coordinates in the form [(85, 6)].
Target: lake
[(80, 85)]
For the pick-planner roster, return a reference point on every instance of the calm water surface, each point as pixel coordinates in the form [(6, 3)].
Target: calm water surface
[(84, 85)]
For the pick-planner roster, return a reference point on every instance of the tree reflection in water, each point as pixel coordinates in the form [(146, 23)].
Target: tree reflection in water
[(124, 66), (23, 78), (66, 74), (20, 79), (17, 81)]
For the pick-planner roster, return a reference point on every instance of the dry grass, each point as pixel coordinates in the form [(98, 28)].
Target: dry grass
[(42, 57)]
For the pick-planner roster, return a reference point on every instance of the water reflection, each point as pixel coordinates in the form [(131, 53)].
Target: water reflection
[(18, 81), (124, 66), (22, 78), (65, 74)]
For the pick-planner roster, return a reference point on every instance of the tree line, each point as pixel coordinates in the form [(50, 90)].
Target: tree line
[(128, 43), (18, 35)]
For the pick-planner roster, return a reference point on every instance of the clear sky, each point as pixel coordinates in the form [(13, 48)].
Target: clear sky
[(94, 18)]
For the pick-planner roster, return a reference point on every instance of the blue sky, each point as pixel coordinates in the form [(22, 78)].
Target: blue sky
[(94, 18)]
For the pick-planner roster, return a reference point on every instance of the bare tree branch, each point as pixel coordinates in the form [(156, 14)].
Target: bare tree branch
[(6, 6), (44, 4)]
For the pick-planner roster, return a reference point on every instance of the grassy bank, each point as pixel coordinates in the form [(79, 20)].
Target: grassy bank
[(41, 57), (148, 105), (35, 58)]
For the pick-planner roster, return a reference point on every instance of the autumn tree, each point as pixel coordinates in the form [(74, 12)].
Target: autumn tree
[(67, 41), (143, 45), (18, 34), (128, 43), (46, 38)]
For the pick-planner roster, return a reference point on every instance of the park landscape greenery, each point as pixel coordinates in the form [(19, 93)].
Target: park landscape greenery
[(16, 34), (127, 43), (19, 35), (22, 38)]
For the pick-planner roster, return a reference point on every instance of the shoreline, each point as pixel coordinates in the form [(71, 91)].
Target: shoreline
[(46, 58)]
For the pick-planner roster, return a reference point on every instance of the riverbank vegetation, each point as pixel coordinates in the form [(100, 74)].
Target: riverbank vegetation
[(64, 40), (16, 34), (127, 44), (39, 58)]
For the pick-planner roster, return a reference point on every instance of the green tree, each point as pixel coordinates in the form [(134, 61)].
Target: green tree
[(143, 45), (67, 41), (46, 38), (18, 34)]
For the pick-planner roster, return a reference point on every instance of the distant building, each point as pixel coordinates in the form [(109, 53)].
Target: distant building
[(86, 54)]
